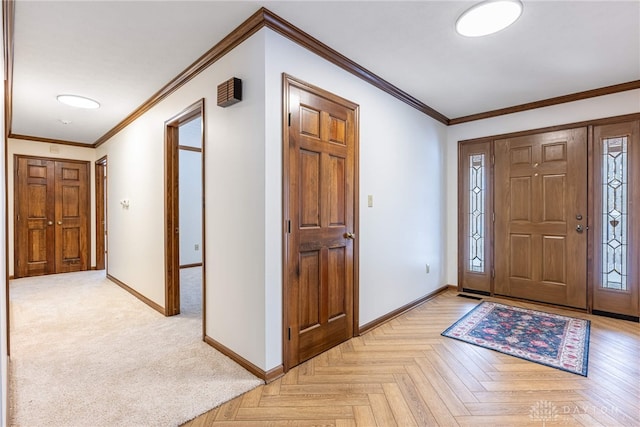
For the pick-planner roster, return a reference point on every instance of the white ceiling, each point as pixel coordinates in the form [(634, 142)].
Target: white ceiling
[(122, 52)]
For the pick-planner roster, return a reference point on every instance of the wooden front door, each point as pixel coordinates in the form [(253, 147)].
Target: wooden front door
[(320, 194), (541, 217), (52, 216)]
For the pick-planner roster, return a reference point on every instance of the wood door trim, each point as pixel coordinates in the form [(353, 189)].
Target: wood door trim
[(101, 217), (171, 205), (287, 82)]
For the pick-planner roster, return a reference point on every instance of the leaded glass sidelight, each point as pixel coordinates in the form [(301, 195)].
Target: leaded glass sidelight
[(614, 213), (477, 196)]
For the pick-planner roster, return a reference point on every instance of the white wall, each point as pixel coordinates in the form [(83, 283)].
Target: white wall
[(401, 165), (234, 168), (190, 193), (55, 151), (588, 109)]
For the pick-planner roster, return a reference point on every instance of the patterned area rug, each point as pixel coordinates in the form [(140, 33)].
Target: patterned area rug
[(549, 339)]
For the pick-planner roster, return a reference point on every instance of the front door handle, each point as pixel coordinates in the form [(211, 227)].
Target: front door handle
[(49, 222), (579, 228), (349, 235)]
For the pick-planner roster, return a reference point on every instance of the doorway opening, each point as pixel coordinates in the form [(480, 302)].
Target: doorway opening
[(184, 212)]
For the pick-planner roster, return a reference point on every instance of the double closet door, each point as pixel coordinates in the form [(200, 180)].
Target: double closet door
[(549, 217), (51, 216)]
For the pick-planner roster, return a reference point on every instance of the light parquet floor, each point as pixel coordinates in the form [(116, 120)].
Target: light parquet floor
[(404, 373)]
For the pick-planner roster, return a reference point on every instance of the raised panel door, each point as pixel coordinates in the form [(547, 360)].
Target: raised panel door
[(34, 206), (52, 216), (541, 217), (72, 217), (320, 245)]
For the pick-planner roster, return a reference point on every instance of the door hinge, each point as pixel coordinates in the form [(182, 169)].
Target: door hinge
[(289, 334), (493, 273), (18, 217), (493, 216), (288, 227), (289, 119), (493, 160)]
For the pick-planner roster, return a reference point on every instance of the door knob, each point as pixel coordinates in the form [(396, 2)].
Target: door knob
[(49, 222), (59, 222), (579, 228), (349, 235)]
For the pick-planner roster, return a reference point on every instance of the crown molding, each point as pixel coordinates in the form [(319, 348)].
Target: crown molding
[(607, 90), (254, 23), (49, 140), (585, 123), (265, 18), (286, 29)]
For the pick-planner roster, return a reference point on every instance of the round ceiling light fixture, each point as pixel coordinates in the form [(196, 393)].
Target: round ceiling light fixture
[(488, 17), (78, 101)]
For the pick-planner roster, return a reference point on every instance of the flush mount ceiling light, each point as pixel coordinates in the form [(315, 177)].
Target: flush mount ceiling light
[(488, 17), (77, 101)]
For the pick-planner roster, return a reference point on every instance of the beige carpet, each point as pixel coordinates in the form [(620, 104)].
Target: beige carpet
[(87, 353)]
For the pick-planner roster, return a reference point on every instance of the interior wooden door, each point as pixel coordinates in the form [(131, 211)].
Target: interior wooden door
[(52, 216), (72, 216), (541, 217), (34, 246), (320, 192)]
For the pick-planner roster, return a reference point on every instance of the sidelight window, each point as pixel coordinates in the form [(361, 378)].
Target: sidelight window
[(614, 213), (477, 203)]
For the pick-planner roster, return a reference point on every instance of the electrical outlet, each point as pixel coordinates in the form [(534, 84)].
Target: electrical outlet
[(196, 247), (370, 200), (427, 268)]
